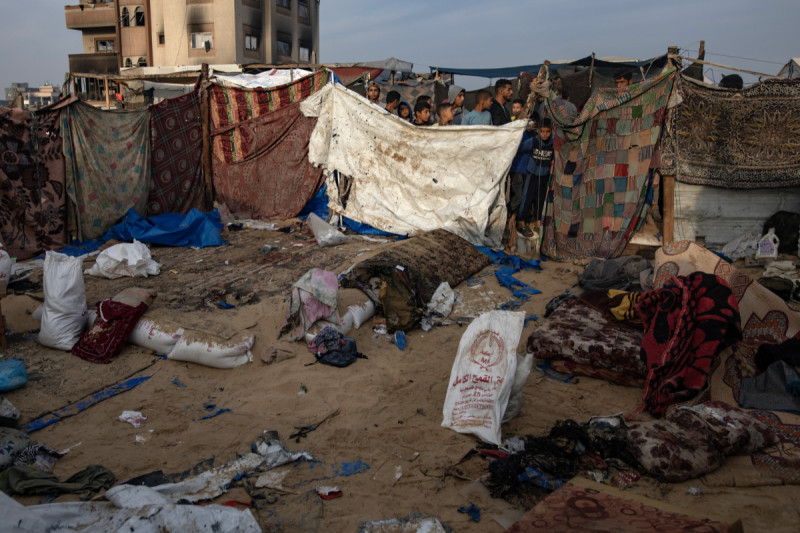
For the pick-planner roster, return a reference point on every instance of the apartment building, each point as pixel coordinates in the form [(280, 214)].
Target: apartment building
[(130, 33)]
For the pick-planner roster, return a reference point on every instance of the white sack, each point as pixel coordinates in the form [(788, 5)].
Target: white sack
[(126, 259), (154, 335), (483, 374), (408, 179), (520, 377), (324, 233), (64, 313), (214, 353), (6, 266)]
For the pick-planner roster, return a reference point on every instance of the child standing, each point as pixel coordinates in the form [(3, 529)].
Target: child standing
[(539, 168)]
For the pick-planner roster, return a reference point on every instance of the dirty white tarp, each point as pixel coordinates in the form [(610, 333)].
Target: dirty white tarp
[(408, 179), (270, 78)]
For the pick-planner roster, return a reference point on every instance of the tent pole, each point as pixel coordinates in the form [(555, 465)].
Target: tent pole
[(108, 98), (668, 219), (591, 73), (206, 139)]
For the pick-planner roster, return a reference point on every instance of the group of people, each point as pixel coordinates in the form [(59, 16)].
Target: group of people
[(529, 177)]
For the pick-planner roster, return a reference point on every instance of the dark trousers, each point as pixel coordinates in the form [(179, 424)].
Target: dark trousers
[(533, 197), (517, 187)]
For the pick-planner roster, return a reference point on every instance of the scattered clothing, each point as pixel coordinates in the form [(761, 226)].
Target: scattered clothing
[(332, 348), (775, 389), (27, 480), (314, 297), (619, 305), (621, 273)]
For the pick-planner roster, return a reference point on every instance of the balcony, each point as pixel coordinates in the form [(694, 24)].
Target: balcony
[(100, 63), (91, 16)]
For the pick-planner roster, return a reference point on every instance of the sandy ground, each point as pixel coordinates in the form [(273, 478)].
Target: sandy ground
[(390, 404)]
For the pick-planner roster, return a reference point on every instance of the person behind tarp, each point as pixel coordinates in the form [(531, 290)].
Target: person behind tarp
[(373, 93), (392, 101), (404, 111), (502, 94), (424, 98), (445, 113), (732, 81), (516, 109), (539, 168), (623, 78), (455, 95), (479, 116), (518, 178), (422, 113)]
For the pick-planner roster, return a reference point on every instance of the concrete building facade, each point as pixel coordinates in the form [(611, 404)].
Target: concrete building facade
[(35, 97), (130, 33)]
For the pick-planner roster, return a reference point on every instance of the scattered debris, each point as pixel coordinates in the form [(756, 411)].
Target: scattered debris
[(134, 418)]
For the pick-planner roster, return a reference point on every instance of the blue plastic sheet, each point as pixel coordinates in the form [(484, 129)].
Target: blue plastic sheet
[(75, 408), (12, 374), (170, 229), (510, 265), (79, 248)]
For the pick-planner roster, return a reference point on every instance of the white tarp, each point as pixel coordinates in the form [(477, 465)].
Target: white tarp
[(270, 78), (408, 179), (791, 69)]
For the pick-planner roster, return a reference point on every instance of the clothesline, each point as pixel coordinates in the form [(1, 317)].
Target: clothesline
[(726, 67)]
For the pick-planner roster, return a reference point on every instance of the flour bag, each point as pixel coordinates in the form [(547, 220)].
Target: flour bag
[(483, 375), (64, 310)]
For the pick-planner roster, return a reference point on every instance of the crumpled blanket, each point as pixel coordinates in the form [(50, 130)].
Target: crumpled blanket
[(314, 297), (619, 273), (687, 324)]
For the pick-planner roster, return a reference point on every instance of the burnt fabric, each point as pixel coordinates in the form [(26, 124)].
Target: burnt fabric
[(32, 193), (743, 139), (107, 162), (270, 175), (603, 181), (402, 278), (687, 324), (176, 165), (105, 339), (580, 340), (582, 505), (692, 441)]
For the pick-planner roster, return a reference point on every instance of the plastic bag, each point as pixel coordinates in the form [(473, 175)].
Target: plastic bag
[(482, 376), (12, 374), (64, 313), (324, 233), (126, 259)]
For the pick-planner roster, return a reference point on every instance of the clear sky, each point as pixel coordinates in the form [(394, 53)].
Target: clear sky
[(472, 33)]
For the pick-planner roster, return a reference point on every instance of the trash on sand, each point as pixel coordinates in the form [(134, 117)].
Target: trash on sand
[(412, 524), (400, 340), (440, 306), (324, 233), (267, 248), (141, 438), (540, 479), (12, 374), (398, 472), (332, 348), (473, 511), (276, 355), (483, 375), (215, 413), (303, 390), (328, 493), (8, 413), (272, 480), (274, 452), (125, 260), (224, 305), (694, 491), (303, 431), (177, 383), (134, 418)]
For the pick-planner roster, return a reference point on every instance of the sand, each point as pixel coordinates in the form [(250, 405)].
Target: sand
[(389, 405)]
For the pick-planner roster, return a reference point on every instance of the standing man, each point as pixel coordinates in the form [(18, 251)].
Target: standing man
[(480, 116), (623, 78), (502, 94)]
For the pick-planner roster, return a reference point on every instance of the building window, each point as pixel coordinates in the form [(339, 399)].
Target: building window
[(200, 39), (142, 62), (128, 62), (161, 39), (251, 42), (305, 53), (284, 45), (104, 45), (126, 19), (302, 10), (138, 15), (286, 4)]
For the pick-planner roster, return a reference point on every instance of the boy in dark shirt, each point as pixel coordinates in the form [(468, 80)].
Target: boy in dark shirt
[(539, 169)]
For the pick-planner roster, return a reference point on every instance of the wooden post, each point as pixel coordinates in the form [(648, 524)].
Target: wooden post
[(108, 97), (668, 200), (205, 119), (591, 73)]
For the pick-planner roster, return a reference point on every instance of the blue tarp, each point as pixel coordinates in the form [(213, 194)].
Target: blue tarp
[(170, 229), (509, 265), (513, 72)]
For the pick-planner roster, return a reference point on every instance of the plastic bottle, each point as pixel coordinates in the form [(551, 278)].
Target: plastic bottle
[(768, 246)]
